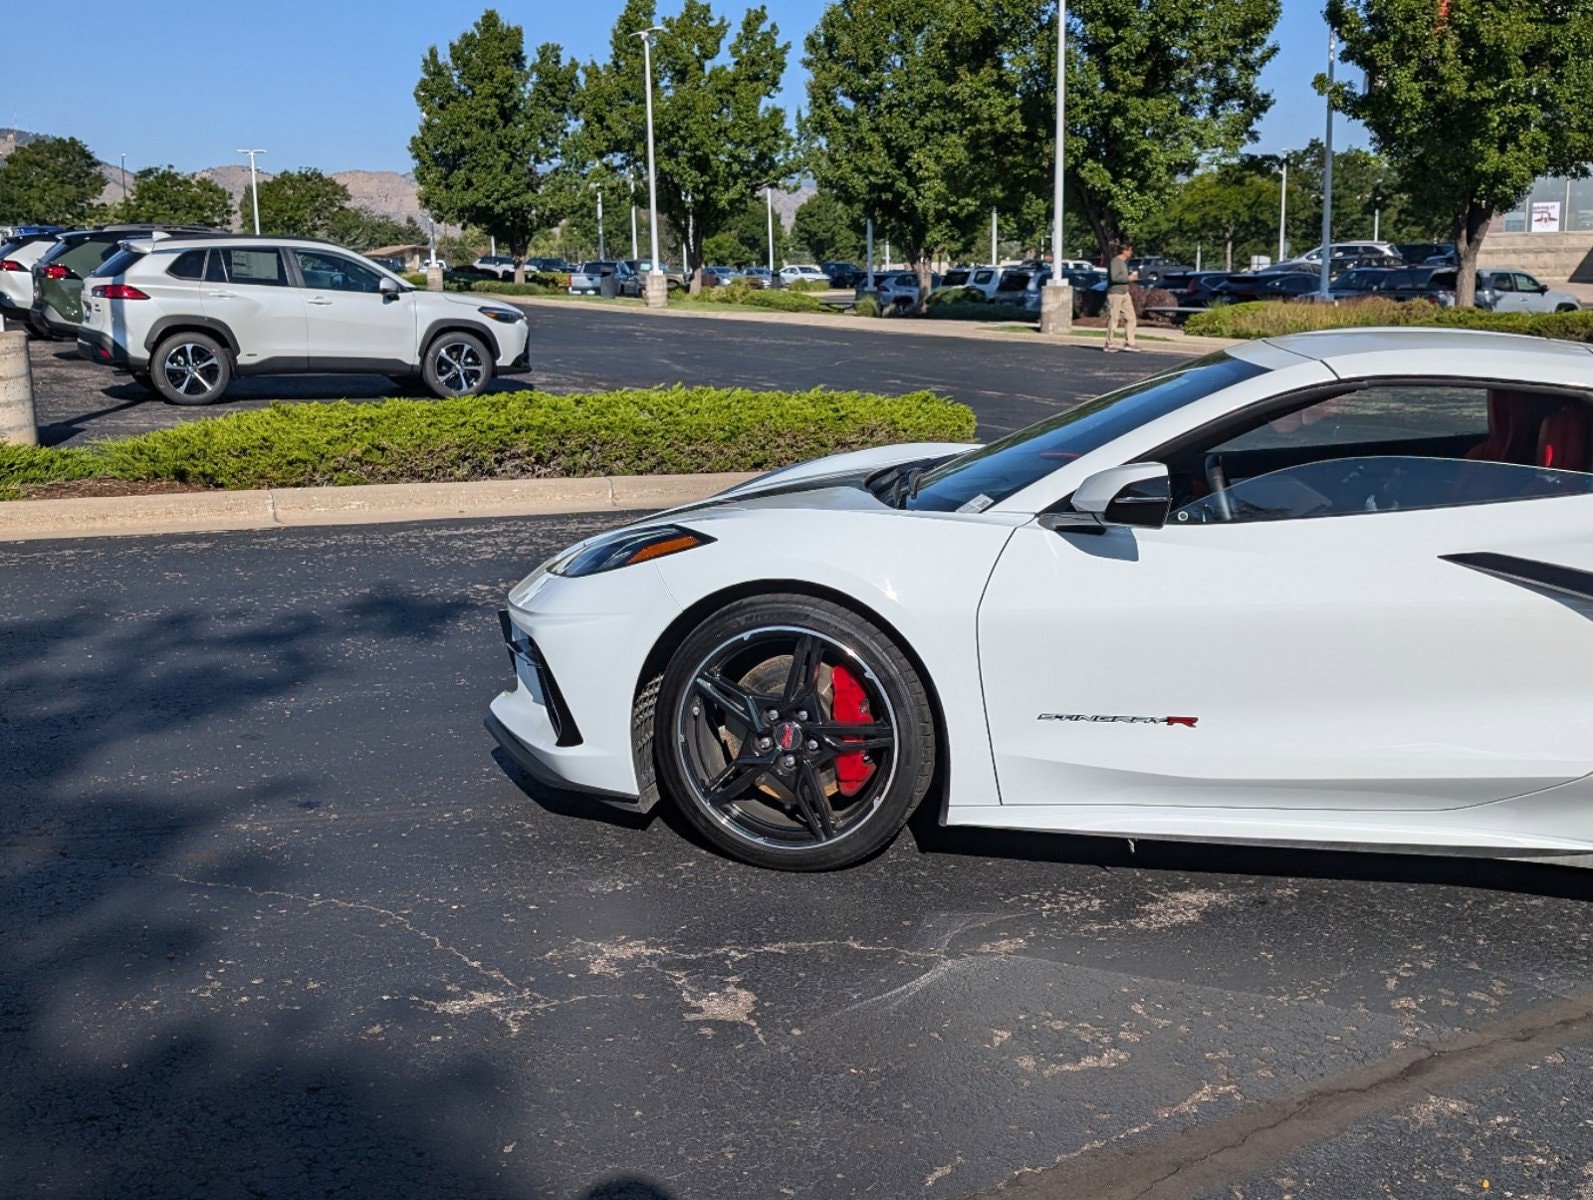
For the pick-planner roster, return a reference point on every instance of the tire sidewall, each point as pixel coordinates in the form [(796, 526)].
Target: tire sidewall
[(429, 365), (915, 742), (157, 373)]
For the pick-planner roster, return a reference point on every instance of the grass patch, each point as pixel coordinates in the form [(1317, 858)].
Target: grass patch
[(505, 435), (1273, 318)]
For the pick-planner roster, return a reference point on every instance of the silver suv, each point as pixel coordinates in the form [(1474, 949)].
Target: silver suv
[(185, 316)]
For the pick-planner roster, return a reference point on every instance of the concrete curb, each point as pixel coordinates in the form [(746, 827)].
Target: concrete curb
[(1176, 343), (210, 512)]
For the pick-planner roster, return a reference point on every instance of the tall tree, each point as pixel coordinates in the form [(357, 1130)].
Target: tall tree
[(914, 112), (1155, 87), (54, 181), (719, 137), (1234, 205), (302, 203), (1471, 100), (164, 195), (493, 126), (828, 230)]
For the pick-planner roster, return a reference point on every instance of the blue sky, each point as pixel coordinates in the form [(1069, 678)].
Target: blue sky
[(330, 84)]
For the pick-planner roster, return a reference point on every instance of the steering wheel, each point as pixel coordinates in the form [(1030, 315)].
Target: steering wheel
[(1217, 480)]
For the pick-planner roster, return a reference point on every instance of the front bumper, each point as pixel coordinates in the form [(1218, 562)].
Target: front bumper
[(522, 362)]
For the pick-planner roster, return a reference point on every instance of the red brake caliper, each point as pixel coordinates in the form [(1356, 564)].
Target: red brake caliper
[(850, 707)]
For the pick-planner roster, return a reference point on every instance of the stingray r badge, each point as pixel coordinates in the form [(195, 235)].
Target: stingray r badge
[(1101, 719)]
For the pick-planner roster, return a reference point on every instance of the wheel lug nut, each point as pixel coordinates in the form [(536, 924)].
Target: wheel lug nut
[(771, 715), (764, 743), (788, 761), (802, 714), (812, 745)]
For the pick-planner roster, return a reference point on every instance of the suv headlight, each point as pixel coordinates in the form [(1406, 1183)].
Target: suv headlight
[(504, 316), (626, 548)]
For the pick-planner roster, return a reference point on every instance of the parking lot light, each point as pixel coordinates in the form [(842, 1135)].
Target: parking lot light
[(657, 285), (254, 187), (1056, 299)]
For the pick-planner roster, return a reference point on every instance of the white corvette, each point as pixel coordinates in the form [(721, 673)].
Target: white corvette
[(1333, 589)]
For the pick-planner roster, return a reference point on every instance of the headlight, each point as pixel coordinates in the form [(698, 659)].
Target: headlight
[(505, 316), (627, 548)]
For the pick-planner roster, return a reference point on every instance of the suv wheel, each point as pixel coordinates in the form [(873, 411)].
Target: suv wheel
[(191, 368), (457, 364)]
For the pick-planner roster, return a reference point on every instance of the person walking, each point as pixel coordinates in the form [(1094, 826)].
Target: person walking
[(1119, 300)]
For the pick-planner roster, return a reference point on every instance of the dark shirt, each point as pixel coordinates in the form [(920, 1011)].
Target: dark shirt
[(1117, 276)]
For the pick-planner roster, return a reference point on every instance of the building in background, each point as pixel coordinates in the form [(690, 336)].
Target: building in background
[(1549, 234)]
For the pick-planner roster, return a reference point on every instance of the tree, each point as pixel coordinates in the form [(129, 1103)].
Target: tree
[(361, 229), (827, 230), (1154, 88), (1234, 205), (492, 133), (915, 113), (719, 137), (163, 195), (301, 203), (50, 180), (1471, 100)]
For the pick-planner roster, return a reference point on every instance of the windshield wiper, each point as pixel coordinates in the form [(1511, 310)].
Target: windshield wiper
[(909, 485)]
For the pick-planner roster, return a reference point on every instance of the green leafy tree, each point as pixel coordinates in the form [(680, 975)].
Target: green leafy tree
[(361, 229), (163, 195), (302, 203), (827, 230), (54, 181), (915, 112), (1155, 87), (1471, 100), (719, 137), (1234, 206), (493, 129)]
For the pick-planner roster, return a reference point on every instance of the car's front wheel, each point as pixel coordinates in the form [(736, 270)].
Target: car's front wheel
[(457, 364), (191, 368), (793, 734)]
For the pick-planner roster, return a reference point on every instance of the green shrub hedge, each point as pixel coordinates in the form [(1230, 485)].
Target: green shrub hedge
[(1273, 318), (739, 291), (505, 435)]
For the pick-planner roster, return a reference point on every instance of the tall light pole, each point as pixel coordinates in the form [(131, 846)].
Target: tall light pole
[(1056, 301), (254, 187), (124, 177), (630, 186), (993, 228), (1283, 211), (768, 192), (1327, 175), (657, 285), (602, 246)]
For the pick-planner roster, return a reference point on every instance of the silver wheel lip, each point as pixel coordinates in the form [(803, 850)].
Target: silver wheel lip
[(694, 784), (449, 368), (180, 377)]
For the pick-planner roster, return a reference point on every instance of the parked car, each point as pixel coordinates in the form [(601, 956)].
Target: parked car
[(186, 316), (1363, 281), (896, 291), (803, 273), (1505, 289), (1313, 590), (762, 277), (548, 266), (1152, 267), (17, 257), (1368, 251), (1089, 290), (982, 279), (1416, 254), (589, 279), (1436, 284), (58, 274), (1194, 289), (718, 276), (843, 274), (499, 266), (1266, 285), (395, 265)]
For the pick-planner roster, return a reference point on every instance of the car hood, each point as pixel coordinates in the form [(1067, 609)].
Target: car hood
[(842, 468)]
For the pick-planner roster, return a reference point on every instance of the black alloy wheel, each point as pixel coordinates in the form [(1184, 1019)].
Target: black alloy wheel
[(457, 364), (794, 734), (191, 368)]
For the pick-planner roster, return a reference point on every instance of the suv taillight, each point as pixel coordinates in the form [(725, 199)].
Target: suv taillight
[(56, 271), (11, 264), (118, 291)]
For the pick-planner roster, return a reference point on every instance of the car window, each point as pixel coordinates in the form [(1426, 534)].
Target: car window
[(1525, 283), (333, 272), (83, 258), (1388, 447), (251, 266), (1499, 282), (992, 473), (190, 264)]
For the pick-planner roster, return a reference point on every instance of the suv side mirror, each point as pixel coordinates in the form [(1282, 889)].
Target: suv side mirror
[(388, 287), (1139, 495)]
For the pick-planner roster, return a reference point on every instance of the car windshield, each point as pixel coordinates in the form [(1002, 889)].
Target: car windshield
[(974, 481)]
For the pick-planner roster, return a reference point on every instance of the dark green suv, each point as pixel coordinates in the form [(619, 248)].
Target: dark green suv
[(58, 276)]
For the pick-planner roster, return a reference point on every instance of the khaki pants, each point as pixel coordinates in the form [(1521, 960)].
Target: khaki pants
[(1120, 309)]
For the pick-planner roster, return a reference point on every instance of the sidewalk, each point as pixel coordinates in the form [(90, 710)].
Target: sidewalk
[(1158, 340)]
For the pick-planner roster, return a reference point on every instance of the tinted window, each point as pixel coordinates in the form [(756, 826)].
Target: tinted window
[(996, 471), (1525, 283), (84, 257), (334, 273), (245, 265), (190, 264), (118, 263)]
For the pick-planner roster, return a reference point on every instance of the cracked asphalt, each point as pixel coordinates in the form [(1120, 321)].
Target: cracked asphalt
[(582, 348), (277, 921)]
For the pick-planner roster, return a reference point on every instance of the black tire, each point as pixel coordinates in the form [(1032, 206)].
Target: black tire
[(771, 791), (191, 368), (141, 379), (1567, 308), (457, 364)]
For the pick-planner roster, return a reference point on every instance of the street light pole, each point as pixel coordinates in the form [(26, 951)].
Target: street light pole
[(254, 187), (768, 193), (993, 227), (602, 246), (124, 178), (630, 185), (1056, 300), (1327, 174), (657, 285), (1283, 211)]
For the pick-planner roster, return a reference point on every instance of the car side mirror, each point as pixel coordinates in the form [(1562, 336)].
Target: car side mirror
[(1543, 289), (388, 287), (1139, 495)]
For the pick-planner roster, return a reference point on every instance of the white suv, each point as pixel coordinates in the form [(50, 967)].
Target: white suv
[(186, 315)]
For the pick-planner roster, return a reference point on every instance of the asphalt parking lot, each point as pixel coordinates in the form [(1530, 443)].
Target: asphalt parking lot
[(584, 348), (279, 922)]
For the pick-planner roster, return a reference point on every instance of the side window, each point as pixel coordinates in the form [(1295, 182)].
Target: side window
[(249, 266), (190, 264), (83, 258), (1525, 283), (1385, 448), (1501, 282), (333, 272)]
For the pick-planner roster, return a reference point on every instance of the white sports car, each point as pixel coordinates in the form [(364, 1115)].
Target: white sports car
[(1333, 589)]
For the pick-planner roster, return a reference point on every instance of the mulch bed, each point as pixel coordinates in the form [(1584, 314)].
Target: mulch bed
[(73, 489)]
